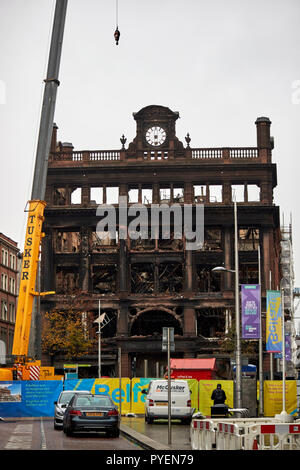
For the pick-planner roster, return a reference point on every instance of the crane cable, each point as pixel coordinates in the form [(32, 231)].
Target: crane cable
[(117, 32)]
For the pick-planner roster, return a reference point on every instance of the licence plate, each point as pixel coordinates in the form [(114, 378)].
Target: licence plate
[(161, 403), (93, 414)]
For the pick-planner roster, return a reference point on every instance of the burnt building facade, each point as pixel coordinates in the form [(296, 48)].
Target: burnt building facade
[(152, 280)]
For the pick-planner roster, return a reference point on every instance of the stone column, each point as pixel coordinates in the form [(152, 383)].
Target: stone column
[(266, 262), (85, 197), (189, 322), (123, 284), (188, 284), (188, 193), (84, 260), (122, 322), (266, 193), (156, 193), (226, 193)]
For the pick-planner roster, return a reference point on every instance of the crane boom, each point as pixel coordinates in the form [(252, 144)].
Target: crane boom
[(27, 291)]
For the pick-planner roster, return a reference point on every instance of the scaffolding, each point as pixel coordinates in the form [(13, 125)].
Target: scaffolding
[(287, 283)]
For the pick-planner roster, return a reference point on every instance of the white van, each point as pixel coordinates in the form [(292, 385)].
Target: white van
[(156, 404)]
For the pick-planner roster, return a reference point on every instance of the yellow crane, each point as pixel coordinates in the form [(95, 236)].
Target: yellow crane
[(36, 206)]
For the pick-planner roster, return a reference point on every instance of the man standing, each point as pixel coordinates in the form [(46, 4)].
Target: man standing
[(218, 395)]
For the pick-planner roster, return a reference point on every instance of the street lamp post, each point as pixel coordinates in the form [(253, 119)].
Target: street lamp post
[(260, 359), (237, 314), (238, 368)]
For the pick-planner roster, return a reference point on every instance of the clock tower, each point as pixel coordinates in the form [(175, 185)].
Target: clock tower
[(155, 130)]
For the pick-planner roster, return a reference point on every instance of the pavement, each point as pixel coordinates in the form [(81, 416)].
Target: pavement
[(155, 436)]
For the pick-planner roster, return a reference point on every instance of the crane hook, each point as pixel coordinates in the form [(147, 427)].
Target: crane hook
[(117, 36)]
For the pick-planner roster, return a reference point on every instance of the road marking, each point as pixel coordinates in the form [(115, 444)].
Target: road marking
[(21, 437), (43, 443)]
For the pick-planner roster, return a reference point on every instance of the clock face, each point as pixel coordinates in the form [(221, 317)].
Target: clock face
[(156, 136)]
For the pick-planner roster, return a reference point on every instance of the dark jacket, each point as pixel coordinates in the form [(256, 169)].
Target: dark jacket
[(219, 396)]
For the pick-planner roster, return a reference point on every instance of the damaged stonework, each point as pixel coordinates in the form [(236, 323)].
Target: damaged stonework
[(142, 278), (102, 243), (67, 242), (67, 279), (104, 279)]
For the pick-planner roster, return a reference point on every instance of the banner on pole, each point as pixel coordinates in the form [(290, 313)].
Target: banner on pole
[(274, 322), (251, 311), (288, 350)]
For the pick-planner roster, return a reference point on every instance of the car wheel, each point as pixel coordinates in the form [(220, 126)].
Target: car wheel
[(186, 421), (115, 433), (149, 420), (56, 427), (69, 431)]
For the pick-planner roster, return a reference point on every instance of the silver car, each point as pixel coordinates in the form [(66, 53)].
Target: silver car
[(61, 405)]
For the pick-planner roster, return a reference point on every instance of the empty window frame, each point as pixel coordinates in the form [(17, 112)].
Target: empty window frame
[(142, 278), (238, 192), (103, 241), (76, 196), (165, 195), (96, 195), (211, 322), (133, 194), (147, 195), (248, 273), (170, 244), (67, 279), (253, 192), (170, 278), (67, 242), (141, 244), (112, 194), (248, 239), (104, 279), (215, 193), (60, 196), (245, 192), (178, 194), (206, 280), (212, 239), (199, 193)]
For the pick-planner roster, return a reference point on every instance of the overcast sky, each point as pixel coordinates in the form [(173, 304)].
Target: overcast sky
[(221, 64)]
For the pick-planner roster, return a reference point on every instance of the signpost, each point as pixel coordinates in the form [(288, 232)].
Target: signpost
[(99, 320), (168, 345)]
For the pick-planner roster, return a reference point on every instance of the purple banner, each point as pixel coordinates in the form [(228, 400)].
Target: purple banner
[(250, 311)]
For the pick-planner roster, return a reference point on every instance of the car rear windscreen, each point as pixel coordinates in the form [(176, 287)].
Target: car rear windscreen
[(93, 401)]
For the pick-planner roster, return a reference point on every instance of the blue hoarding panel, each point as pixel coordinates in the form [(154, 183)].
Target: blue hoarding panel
[(29, 398)]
